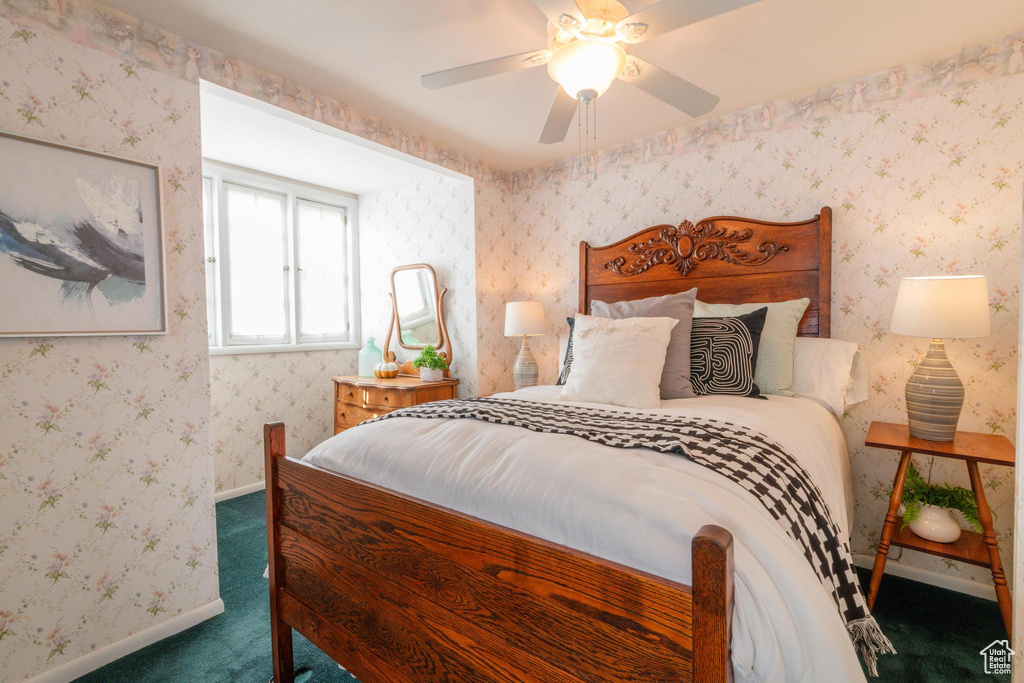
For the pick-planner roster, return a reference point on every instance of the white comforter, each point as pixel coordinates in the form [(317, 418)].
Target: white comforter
[(639, 508)]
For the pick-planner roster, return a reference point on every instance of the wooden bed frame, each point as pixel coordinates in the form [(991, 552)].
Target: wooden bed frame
[(398, 589)]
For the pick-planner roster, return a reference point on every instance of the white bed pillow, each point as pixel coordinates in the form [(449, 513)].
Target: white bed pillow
[(774, 371), (618, 361), (675, 376), (831, 372)]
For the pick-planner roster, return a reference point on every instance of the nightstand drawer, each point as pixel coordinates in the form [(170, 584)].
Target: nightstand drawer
[(346, 393), (349, 416), (387, 397)]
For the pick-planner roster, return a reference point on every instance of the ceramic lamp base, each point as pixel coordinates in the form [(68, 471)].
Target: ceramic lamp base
[(525, 370), (935, 396)]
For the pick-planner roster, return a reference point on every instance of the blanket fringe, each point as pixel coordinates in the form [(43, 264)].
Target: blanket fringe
[(869, 641)]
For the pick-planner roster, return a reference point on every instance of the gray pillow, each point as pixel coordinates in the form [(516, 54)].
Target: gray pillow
[(675, 378)]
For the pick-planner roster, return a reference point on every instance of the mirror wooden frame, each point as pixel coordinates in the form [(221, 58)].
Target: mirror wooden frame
[(444, 347)]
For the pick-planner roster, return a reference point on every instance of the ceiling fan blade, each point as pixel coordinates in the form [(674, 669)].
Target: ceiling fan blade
[(562, 13), (559, 117), (669, 88), (492, 67), (668, 15)]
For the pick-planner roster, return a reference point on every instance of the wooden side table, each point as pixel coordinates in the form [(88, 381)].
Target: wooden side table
[(980, 549), (362, 398)]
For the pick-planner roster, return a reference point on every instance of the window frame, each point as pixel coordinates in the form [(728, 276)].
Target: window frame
[(297, 280), (294, 191), (212, 254)]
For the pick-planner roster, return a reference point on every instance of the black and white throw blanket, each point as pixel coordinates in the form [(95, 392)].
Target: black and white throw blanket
[(745, 457)]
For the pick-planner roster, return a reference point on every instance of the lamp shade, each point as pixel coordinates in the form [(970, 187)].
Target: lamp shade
[(524, 318), (942, 307)]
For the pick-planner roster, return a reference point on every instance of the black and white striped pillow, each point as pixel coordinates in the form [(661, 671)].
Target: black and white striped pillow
[(723, 354), (567, 364)]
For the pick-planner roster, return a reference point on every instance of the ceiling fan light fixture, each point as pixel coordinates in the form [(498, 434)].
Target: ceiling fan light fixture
[(587, 64), (584, 56)]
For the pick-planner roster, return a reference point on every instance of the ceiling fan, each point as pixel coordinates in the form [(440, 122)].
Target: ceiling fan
[(585, 55)]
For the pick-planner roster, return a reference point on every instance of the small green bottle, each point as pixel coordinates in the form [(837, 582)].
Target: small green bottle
[(369, 356)]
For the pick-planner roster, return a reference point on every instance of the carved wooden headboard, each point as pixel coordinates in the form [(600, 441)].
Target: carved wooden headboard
[(729, 260)]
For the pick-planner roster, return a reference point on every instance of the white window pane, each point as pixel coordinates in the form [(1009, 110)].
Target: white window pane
[(323, 265), (211, 275), (256, 260)]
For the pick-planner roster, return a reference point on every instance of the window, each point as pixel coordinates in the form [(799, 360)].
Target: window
[(280, 264)]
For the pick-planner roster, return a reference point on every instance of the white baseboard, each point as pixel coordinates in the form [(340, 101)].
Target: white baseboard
[(105, 655), (933, 578), (240, 491)]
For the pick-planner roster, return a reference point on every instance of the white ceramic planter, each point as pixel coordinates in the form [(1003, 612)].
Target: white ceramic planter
[(428, 375), (936, 524)]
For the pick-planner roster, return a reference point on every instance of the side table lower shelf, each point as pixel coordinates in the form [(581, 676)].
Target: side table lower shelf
[(982, 549), (970, 547)]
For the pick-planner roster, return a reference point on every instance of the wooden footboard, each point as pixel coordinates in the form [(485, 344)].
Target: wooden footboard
[(397, 589)]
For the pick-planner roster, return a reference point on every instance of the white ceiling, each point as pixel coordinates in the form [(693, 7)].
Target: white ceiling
[(371, 54), (245, 132)]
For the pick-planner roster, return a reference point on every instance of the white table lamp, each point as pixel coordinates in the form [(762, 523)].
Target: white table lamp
[(524, 319), (940, 307)]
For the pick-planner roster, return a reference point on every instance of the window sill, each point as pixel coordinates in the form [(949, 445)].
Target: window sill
[(283, 348)]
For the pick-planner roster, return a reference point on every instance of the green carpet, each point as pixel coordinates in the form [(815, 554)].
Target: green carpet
[(937, 633)]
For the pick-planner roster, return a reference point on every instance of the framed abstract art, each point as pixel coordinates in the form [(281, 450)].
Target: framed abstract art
[(81, 242)]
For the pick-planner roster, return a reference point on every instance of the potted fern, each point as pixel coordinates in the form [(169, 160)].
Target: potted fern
[(430, 365), (927, 507)]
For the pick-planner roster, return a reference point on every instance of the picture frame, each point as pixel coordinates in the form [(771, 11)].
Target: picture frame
[(82, 243)]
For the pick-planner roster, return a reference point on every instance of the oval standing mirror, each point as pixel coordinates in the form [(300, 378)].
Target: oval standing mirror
[(415, 291), (417, 310)]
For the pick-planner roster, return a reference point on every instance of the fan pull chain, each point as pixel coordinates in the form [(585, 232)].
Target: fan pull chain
[(586, 118), (579, 139), (590, 139), (586, 156), (595, 138)]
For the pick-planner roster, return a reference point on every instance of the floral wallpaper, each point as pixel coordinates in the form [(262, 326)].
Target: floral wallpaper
[(919, 185), (105, 477), (249, 390)]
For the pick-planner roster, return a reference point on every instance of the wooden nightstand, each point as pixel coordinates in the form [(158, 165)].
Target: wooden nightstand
[(980, 549), (362, 398)]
